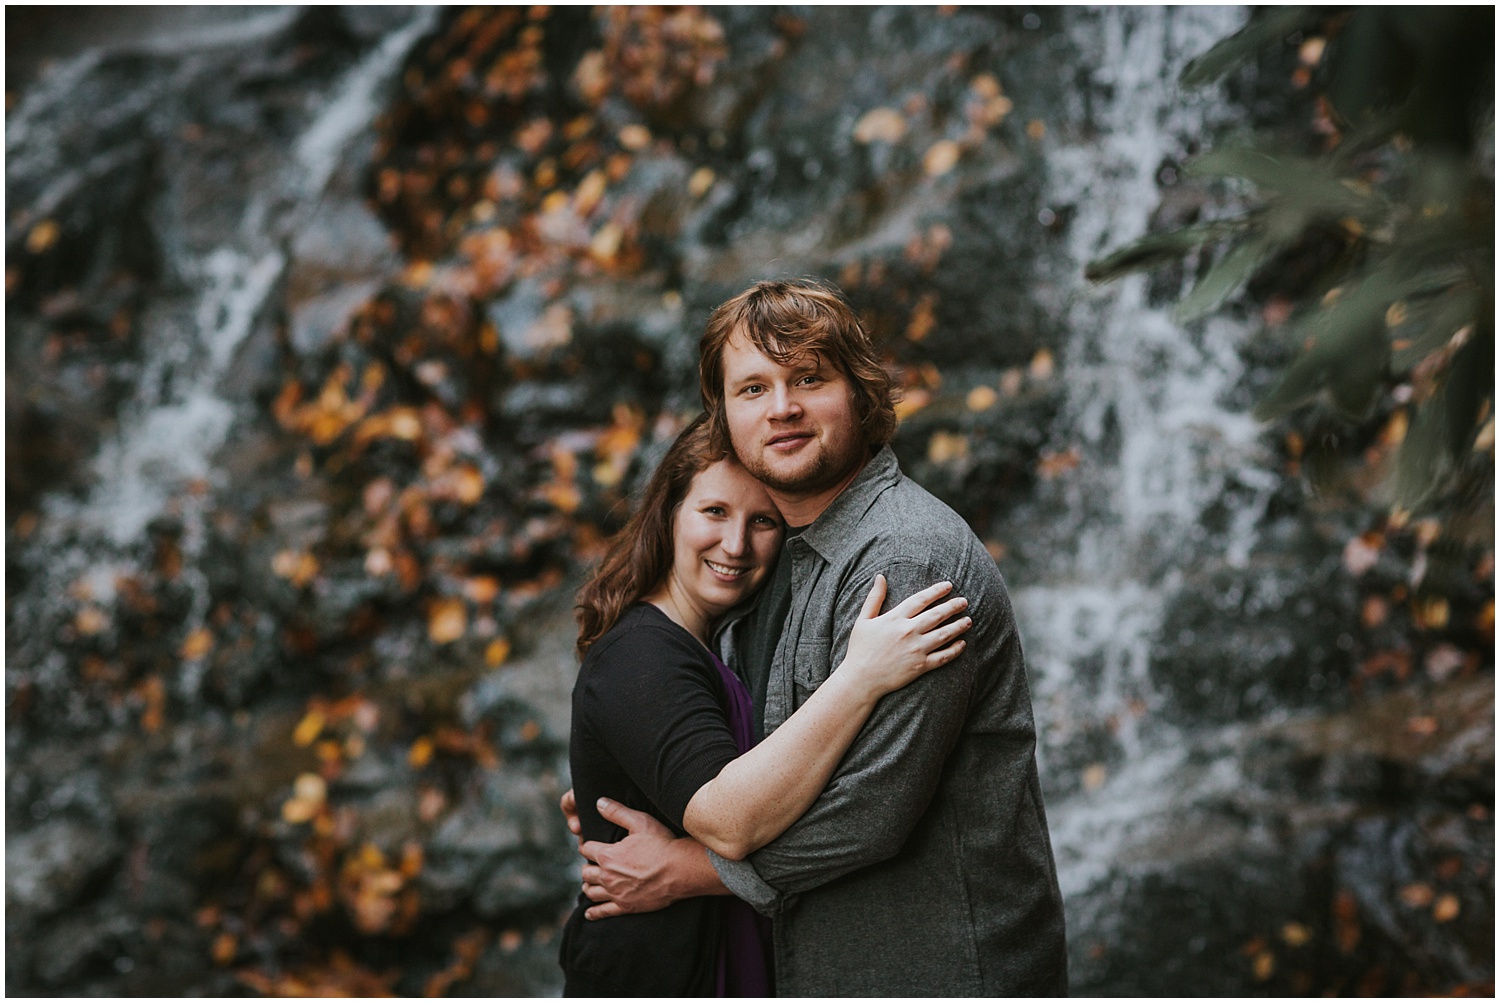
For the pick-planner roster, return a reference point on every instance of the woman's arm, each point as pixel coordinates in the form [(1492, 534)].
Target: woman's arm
[(757, 796)]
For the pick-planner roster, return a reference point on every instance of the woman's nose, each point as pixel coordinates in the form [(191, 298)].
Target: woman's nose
[(734, 542)]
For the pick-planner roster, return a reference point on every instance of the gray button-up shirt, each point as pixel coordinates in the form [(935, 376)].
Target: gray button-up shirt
[(925, 867)]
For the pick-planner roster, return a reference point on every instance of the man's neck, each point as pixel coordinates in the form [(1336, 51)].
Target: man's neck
[(804, 509)]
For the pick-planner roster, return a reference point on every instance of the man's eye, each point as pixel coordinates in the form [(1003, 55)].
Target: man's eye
[(810, 380), (753, 388)]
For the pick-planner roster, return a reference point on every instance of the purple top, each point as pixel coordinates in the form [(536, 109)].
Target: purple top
[(745, 955)]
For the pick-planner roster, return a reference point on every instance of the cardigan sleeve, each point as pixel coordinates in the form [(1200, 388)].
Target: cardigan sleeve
[(650, 701)]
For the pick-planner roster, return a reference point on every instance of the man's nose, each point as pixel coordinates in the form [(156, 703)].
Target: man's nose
[(782, 404)]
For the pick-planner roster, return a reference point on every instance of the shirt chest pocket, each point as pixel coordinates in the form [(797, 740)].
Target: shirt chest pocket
[(810, 665)]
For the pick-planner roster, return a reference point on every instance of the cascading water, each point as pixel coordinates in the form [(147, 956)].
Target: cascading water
[(1145, 408), (953, 170), (160, 459)]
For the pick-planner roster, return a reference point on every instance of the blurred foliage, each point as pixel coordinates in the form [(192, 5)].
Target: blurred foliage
[(1376, 252)]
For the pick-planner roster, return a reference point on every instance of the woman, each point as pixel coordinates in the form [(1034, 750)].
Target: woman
[(662, 726)]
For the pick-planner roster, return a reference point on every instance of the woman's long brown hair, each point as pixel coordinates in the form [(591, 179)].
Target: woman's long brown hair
[(640, 555)]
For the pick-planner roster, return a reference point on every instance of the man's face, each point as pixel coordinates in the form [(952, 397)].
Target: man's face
[(792, 425)]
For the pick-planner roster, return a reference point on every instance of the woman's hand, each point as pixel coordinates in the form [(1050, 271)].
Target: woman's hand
[(887, 651)]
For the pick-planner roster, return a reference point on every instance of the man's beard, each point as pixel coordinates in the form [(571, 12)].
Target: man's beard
[(828, 468)]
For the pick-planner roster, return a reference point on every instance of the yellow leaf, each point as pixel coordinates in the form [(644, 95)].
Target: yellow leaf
[(945, 447), (606, 243), (701, 181), (310, 787), (590, 191), (912, 401), (981, 398), (1446, 909), (309, 728), (941, 158), (884, 125), (635, 137), (1094, 776), (1295, 934), (1042, 365)]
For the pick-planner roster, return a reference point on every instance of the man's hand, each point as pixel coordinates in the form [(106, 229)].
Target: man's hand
[(647, 870)]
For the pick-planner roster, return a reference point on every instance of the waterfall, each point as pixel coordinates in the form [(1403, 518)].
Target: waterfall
[(160, 458), (1157, 444)]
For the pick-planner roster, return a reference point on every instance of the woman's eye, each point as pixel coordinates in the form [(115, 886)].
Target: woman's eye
[(714, 510)]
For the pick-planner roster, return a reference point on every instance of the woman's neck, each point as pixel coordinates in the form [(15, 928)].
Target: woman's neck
[(681, 611)]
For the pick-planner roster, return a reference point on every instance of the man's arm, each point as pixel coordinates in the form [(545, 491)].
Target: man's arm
[(891, 772), (647, 870)]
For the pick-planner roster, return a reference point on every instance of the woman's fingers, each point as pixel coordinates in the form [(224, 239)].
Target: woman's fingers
[(939, 613), (919, 601), (935, 639), (872, 601), (944, 655)]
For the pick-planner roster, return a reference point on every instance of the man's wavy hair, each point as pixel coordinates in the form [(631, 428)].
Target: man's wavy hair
[(640, 554), (785, 319)]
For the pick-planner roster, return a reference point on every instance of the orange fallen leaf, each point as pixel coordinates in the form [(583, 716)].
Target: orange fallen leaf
[(197, 644), (421, 752), (90, 620), (1295, 934), (446, 621), (42, 236), (497, 652), (1417, 895), (226, 946)]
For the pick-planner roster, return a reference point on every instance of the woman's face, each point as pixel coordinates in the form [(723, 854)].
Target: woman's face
[(726, 535)]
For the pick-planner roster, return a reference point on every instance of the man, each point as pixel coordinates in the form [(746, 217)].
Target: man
[(925, 867)]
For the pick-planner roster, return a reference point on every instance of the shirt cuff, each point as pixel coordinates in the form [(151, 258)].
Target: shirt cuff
[(742, 880)]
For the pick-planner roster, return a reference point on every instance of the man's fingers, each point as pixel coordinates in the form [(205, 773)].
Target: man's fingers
[(596, 893), (626, 818), (918, 601), (592, 848), (872, 601)]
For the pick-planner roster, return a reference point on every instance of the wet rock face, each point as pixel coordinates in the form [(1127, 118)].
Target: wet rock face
[(335, 352)]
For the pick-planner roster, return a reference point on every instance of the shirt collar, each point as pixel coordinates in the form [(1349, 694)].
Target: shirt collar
[(834, 529)]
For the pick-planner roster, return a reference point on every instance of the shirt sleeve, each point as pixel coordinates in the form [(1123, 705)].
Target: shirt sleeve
[(888, 777), (650, 703)]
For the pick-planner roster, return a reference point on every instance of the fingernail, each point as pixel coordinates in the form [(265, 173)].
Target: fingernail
[(602, 803)]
